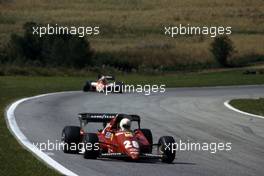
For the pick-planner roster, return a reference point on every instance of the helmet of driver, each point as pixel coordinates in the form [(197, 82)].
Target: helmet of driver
[(125, 124)]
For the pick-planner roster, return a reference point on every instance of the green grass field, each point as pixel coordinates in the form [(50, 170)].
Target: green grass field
[(254, 106), (135, 28), (16, 161)]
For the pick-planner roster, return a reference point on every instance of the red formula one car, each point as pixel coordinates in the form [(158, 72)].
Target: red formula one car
[(121, 137), (104, 83)]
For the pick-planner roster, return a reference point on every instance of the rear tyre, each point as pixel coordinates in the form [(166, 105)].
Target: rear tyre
[(91, 146), (148, 134), (71, 138), (168, 154), (99, 76), (87, 87)]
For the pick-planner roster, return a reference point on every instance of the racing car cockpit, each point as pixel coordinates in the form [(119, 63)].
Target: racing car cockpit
[(116, 124), (111, 121)]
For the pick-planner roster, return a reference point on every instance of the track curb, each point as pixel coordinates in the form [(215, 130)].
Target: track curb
[(226, 103), (22, 139)]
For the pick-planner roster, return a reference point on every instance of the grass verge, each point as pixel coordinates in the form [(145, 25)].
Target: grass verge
[(253, 106), (16, 161)]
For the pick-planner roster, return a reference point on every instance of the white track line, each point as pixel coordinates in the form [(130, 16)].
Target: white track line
[(22, 139), (226, 103)]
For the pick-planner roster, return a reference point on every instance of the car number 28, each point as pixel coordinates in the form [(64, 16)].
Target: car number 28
[(129, 144)]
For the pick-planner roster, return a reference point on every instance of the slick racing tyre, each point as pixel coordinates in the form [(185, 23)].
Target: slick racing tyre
[(164, 148), (71, 138), (148, 134), (99, 76), (87, 87), (91, 146)]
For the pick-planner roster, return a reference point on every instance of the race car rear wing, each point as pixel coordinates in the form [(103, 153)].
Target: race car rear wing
[(108, 77), (104, 117), (97, 117)]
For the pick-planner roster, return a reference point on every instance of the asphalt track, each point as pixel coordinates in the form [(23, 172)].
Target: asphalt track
[(188, 114)]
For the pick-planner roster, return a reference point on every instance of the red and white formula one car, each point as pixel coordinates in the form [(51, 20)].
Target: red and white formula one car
[(104, 83), (121, 137)]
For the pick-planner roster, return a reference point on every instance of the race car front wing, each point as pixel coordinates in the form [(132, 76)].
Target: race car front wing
[(120, 155)]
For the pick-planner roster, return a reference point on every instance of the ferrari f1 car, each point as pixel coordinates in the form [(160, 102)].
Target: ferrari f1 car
[(113, 141), (104, 83)]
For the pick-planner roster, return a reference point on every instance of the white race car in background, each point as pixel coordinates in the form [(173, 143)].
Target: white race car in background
[(104, 83)]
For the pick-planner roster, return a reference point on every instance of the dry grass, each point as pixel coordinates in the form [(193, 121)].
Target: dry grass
[(138, 25)]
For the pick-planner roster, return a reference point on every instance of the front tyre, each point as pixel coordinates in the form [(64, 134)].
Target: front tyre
[(165, 148), (87, 87), (71, 138), (91, 146)]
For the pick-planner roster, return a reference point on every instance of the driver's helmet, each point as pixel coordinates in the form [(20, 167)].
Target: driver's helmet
[(103, 80), (125, 124)]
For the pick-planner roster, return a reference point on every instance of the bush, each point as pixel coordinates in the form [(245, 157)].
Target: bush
[(246, 60), (2, 56), (49, 50), (118, 60), (222, 48)]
